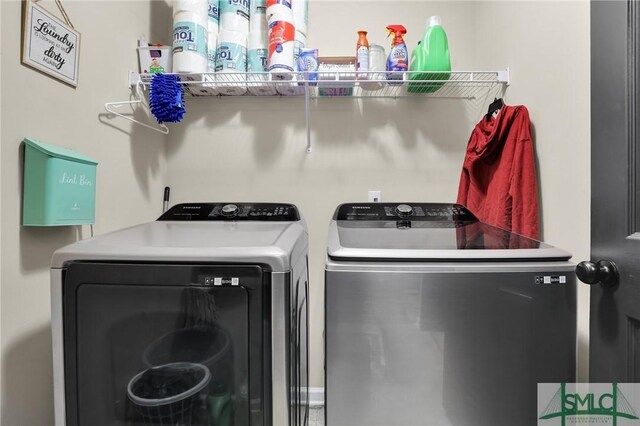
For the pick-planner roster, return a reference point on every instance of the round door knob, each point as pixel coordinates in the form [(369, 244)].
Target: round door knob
[(230, 210), (603, 272), (404, 210)]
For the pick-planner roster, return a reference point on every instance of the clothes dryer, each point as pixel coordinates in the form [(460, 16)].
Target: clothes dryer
[(198, 318), (434, 318)]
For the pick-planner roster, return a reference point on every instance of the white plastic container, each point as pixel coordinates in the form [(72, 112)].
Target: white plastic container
[(377, 62), (231, 63), (155, 59), (190, 41), (234, 16), (257, 56), (281, 46)]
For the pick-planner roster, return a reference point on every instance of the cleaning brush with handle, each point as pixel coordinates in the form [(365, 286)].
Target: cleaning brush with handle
[(166, 98)]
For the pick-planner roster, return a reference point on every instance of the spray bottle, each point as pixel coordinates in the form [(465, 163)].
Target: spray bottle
[(399, 56), (362, 55)]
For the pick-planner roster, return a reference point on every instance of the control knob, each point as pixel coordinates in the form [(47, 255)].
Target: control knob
[(404, 210), (230, 210)]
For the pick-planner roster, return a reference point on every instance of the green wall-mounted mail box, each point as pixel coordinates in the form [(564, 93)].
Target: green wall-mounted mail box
[(59, 186)]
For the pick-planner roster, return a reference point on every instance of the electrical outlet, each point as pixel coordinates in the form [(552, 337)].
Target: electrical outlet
[(375, 196)]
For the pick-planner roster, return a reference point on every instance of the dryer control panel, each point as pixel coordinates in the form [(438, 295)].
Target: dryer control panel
[(262, 212), (420, 212)]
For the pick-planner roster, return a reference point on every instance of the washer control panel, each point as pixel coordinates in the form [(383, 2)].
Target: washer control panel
[(262, 212), (422, 212)]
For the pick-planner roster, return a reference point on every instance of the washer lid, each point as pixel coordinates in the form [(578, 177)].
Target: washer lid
[(425, 232)]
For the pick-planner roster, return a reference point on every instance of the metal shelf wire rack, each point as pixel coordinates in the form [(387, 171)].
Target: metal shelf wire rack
[(372, 84), (468, 85)]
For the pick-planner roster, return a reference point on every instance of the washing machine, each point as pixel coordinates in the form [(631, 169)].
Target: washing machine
[(435, 318), (198, 318)]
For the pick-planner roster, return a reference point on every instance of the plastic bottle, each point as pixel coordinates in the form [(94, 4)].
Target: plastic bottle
[(362, 55), (431, 54), (398, 56)]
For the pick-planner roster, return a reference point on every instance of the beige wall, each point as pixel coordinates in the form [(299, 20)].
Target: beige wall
[(131, 177), (547, 46), (253, 149)]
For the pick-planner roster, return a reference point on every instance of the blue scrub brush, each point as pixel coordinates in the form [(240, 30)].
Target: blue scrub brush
[(166, 98)]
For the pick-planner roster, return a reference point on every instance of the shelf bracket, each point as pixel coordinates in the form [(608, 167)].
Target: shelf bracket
[(503, 76), (307, 106)]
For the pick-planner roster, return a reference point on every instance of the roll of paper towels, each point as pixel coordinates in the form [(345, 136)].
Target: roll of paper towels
[(189, 43)]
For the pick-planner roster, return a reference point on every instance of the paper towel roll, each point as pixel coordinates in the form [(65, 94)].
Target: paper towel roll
[(232, 21), (189, 43), (234, 15), (279, 12), (300, 15), (258, 16), (257, 55), (231, 63), (281, 45), (199, 7), (213, 24), (212, 47)]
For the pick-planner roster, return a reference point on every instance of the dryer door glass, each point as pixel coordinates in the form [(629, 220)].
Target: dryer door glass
[(162, 344)]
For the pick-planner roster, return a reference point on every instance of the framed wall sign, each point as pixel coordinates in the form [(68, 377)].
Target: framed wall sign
[(49, 44)]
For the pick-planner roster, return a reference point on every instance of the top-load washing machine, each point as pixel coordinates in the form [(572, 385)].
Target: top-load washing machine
[(198, 318), (434, 318)]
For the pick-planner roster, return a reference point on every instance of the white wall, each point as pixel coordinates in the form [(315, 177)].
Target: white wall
[(547, 46), (412, 150), (129, 184)]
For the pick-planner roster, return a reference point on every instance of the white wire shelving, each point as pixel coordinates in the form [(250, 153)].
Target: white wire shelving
[(372, 84), (467, 85)]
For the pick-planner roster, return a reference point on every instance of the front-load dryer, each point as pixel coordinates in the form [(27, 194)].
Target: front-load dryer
[(434, 318), (198, 318)]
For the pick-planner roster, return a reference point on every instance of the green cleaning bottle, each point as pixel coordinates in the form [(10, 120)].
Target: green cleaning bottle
[(431, 54)]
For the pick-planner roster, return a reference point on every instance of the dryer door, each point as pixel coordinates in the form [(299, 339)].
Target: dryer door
[(164, 344)]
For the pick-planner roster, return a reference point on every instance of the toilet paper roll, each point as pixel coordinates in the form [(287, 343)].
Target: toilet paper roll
[(233, 21), (300, 10), (199, 7), (189, 43), (281, 45), (231, 63)]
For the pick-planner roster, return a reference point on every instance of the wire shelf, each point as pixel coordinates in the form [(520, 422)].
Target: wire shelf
[(373, 84)]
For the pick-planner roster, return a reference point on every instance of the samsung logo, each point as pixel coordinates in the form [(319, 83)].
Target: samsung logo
[(191, 207), (361, 207)]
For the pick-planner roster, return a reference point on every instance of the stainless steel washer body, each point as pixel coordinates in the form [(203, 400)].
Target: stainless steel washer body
[(434, 318)]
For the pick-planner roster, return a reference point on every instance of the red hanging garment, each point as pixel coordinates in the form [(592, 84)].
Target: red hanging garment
[(498, 182)]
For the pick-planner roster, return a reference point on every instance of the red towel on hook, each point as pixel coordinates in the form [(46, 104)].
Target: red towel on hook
[(498, 182)]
